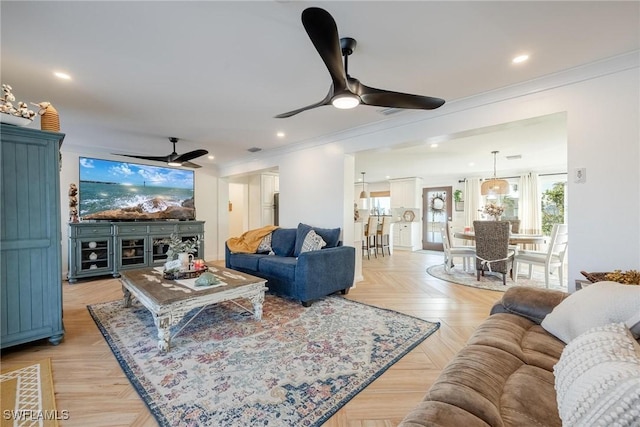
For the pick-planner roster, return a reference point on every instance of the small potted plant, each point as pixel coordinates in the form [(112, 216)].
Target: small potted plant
[(457, 198), (178, 246)]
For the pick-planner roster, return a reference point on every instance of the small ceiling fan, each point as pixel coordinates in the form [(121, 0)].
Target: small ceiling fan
[(174, 159), (347, 91)]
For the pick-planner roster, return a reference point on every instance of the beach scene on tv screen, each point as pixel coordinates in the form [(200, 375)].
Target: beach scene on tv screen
[(112, 190)]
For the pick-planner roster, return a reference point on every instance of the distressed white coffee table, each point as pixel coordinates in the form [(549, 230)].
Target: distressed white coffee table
[(170, 300)]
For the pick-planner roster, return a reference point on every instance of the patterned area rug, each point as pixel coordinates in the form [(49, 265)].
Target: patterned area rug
[(493, 281), (296, 367), (28, 397)]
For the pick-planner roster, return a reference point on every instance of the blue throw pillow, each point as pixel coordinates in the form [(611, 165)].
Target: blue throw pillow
[(283, 241), (330, 235)]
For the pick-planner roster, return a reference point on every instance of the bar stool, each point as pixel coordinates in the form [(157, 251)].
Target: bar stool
[(382, 235), (369, 241)]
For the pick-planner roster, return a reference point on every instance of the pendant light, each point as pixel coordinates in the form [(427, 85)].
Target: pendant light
[(363, 193), (494, 186)]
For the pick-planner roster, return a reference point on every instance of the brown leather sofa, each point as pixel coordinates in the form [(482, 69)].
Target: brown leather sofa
[(504, 375)]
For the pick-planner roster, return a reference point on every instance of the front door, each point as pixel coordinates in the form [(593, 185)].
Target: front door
[(436, 205)]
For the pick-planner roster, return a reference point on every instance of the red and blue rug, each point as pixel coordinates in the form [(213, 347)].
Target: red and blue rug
[(296, 367)]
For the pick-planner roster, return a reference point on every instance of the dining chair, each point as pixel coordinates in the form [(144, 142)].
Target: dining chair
[(492, 248), (467, 253), (551, 259), (382, 235)]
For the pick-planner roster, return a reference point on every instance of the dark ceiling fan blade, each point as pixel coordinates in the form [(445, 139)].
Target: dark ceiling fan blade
[(182, 158), (323, 32), (152, 158), (385, 98), (325, 101), (190, 165)]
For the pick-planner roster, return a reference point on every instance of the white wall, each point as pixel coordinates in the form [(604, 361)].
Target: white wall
[(312, 188)]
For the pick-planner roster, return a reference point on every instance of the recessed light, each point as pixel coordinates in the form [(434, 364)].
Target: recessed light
[(61, 75), (434, 145), (211, 157), (472, 164), (520, 58), (280, 134)]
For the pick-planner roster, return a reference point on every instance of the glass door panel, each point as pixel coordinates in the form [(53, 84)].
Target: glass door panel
[(436, 205), (132, 251)]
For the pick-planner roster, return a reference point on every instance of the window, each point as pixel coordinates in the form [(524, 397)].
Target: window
[(553, 190), (380, 205)]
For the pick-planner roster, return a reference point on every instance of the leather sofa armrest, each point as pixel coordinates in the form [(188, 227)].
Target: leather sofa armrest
[(530, 303)]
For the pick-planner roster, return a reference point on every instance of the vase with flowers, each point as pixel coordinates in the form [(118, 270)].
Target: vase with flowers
[(493, 210)]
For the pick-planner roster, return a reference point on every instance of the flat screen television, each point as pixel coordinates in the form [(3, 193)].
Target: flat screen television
[(124, 191)]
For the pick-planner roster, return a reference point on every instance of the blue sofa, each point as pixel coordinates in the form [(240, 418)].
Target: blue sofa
[(305, 276)]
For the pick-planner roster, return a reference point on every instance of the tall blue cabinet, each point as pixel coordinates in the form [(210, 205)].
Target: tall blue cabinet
[(30, 236)]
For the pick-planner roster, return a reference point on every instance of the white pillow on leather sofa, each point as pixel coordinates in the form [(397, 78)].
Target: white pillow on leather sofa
[(596, 305), (597, 378)]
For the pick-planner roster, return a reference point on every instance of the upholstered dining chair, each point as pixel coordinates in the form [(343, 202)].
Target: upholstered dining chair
[(382, 235), (467, 253), (551, 259), (492, 248)]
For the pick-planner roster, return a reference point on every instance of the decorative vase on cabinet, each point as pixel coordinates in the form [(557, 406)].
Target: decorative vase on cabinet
[(31, 304)]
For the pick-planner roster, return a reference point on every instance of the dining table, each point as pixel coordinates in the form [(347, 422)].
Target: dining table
[(514, 238)]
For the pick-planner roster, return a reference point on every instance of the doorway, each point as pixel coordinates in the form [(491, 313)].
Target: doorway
[(436, 205)]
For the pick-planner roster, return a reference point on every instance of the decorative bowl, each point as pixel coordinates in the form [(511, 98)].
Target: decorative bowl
[(14, 120)]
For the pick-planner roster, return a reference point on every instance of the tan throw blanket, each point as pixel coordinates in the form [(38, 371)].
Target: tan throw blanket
[(250, 240)]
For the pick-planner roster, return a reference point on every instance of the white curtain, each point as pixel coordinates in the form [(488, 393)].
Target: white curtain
[(472, 201), (530, 204)]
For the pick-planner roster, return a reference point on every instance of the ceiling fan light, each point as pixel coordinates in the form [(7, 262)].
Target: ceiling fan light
[(346, 101), (174, 163)]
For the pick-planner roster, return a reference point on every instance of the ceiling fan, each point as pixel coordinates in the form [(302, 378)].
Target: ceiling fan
[(347, 91), (174, 159)]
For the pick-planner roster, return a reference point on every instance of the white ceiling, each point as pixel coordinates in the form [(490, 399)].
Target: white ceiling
[(215, 73)]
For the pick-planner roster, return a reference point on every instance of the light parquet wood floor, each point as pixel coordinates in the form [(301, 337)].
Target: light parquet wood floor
[(92, 387)]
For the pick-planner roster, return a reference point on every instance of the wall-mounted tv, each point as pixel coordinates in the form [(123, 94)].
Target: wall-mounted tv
[(124, 191)]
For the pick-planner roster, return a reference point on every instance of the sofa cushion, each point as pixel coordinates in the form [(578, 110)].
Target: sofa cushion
[(312, 242), (598, 378), (283, 241), (596, 305), (493, 376), (277, 266), (532, 303), (330, 235), (245, 261), (265, 245)]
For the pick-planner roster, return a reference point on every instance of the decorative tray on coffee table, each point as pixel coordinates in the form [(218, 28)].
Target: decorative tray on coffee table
[(187, 274)]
